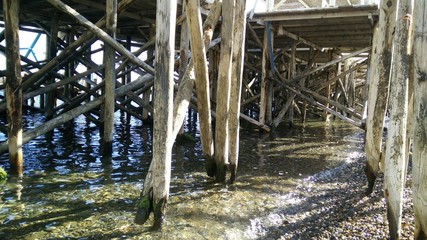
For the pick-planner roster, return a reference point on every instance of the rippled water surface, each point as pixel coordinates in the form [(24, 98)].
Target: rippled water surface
[(70, 191)]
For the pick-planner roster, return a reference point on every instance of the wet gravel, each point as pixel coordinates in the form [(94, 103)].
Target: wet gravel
[(334, 205)]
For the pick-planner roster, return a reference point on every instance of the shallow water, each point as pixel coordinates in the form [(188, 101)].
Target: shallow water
[(70, 191)]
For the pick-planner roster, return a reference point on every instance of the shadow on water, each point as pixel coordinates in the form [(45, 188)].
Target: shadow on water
[(70, 191)]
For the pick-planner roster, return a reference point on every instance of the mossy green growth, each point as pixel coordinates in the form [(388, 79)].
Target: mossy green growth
[(3, 175)]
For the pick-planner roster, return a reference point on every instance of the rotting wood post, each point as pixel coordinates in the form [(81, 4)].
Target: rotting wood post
[(157, 182), (13, 88), (110, 78), (396, 147), (419, 152), (380, 66), (223, 93), (236, 86), (198, 50)]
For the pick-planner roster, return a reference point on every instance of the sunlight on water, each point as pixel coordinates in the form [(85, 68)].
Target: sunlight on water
[(70, 191)]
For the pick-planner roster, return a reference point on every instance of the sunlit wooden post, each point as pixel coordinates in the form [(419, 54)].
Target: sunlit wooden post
[(13, 84), (396, 147), (155, 194), (378, 88), (223, 93), (198, 51), (110, 77), (236, 85), (419, 152)]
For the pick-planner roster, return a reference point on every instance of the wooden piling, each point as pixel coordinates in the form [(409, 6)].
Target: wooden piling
[(419, 152), (378, 89), (236, 86), (110, 78), (13, 88), (396, 146), (223, 93), (198, 51), (157, 188)]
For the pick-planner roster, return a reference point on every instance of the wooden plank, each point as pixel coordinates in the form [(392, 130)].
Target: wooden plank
[(419, 152), (13, 88)]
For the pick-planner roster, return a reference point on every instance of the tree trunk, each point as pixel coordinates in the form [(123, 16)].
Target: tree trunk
[(419, 153), (13, 88), (378, 89), (156, 187), (223, 93), (395, 154)]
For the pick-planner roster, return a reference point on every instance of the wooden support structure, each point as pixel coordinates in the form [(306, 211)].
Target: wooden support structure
[(419, 152), (396, 146), (198, 50), (13, 88), (110, 78), (223, 93), (156, 186), (378, 89), (236, 86)]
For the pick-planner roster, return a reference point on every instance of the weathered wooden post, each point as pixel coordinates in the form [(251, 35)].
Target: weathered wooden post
[(419, 152), (396, 147), (156, 188), (51, 52), (378, 78), (198, 51), (223, 93), (110, 78), (236, 85), (13, 88)]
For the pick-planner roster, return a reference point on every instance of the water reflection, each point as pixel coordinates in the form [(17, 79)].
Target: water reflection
[(69, 190)]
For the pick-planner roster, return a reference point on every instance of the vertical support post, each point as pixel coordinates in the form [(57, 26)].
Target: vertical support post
[(110, 78), (223, 93), (419, 152), (379, 74), (396, 146), (328, 90), (13, 84), (202, 77), (293, 73), (236, 85), (52, 50), (147, 94), (264, 66), (184, 50), (163, 107)]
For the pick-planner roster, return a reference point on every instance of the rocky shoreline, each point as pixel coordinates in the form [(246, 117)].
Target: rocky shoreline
[(333, 205)]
